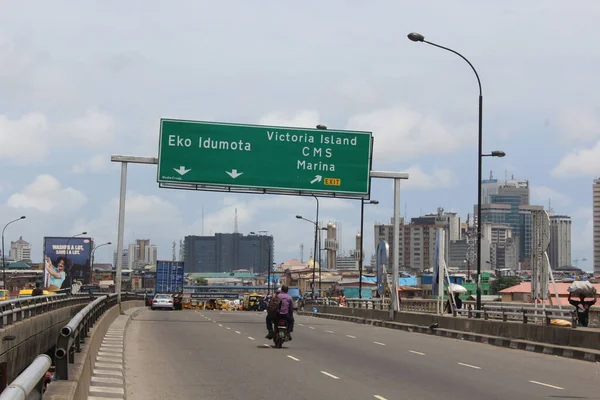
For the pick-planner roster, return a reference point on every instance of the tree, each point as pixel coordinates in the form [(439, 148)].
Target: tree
[(504, 282), (201, 281)]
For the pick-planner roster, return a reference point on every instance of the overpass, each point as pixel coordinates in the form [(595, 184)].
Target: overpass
[(218, 355), (30, 326)]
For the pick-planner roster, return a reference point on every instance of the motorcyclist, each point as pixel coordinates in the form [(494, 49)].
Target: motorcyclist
[(286, 312)]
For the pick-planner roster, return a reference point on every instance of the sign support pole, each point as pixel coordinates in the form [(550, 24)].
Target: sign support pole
[(124, 160)]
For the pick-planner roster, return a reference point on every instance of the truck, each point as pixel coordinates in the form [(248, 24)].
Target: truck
[(169, 280)]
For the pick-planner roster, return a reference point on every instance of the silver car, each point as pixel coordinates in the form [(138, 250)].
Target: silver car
[(162, 301)]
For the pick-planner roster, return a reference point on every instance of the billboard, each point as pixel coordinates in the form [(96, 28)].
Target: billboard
[(169, 277), (67, 262)]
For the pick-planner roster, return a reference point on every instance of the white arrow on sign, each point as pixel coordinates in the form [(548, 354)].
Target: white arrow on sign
[(233, 173), (318, 178), (182, 171)]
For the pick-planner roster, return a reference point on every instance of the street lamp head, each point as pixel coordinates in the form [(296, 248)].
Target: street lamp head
[(374, 202), (416, 37), (498, 153), (321, 126), (109, 243), (299, 216), (83, 233), (23, 217)]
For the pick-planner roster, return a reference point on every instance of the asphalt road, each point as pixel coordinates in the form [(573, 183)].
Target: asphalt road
[(223, 355)]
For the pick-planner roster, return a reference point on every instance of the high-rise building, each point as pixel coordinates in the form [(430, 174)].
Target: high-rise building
[(490, 187), (134, 256), (225, 252), (417, 239), (142, 244), (331, 246), (559, 251), (124, 258), (596, 226), (20, 250), (151, 255)]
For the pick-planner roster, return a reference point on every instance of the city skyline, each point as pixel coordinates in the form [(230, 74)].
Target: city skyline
[(67, 111)]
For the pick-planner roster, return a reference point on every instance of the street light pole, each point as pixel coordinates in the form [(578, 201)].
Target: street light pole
[(3, 255), (417, 37), (361, 256), (315, 253), (92, 258)]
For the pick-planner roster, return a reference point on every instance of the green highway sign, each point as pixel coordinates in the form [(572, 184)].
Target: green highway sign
[(269, 158)]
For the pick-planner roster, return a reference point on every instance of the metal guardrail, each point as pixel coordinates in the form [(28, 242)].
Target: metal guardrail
[(30, 380), (73, 335), (519, 313), (505, 313), (12, 311)]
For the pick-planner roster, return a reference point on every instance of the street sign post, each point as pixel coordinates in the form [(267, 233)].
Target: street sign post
[(269, 159)]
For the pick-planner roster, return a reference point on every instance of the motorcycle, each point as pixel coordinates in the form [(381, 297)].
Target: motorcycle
[(281, 333)]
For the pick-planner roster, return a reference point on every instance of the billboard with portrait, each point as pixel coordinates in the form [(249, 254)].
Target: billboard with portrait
[(66, 262)]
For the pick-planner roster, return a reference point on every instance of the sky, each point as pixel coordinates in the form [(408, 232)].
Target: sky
[(81, 81)]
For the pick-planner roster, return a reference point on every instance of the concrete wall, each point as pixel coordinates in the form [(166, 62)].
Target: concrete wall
[(80, 372), (33, 336), (580, 337)]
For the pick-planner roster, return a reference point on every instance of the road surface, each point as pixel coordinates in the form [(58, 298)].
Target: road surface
[(223, 355)]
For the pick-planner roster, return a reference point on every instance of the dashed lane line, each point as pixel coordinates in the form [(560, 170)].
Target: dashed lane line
[(267, 345), (330, 331), (311, 327), (329, 375), (251, 338), (238, 332), (293, 358), (379, 343), (416, 352), (351, 337), (469, 365), (378, 397), (547, 385)]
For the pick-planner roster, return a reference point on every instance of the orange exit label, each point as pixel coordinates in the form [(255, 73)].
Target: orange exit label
[(333, 181)]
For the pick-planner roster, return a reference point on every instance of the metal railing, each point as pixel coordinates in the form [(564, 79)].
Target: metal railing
[(507, 313), (73, 335), (521, 313), (30, 380), (12, 311)]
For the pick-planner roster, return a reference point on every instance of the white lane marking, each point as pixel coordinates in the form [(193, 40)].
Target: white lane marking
[(547, 385), (329, 331), (301, 324), (329, 375), (220, 325), (350, 336), (251, 338), (378, 397), (379, 343), (238, 332), (228, 328), (293, 358), (267, 345), (311, 327), (469, 366), (416, 352)]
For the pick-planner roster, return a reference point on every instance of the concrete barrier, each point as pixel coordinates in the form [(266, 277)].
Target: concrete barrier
[(23, 341), (80, 372), (578, 338)]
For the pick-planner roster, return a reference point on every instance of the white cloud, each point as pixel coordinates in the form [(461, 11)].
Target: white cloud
[(95, 129), (579, 162), (402, 133), (541, 195), (46, 194), (438, 178), (301, 119), (582, 238), (579, 123), (24, 141), (98, 164)]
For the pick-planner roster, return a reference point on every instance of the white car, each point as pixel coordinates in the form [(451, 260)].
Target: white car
[(163, 301)]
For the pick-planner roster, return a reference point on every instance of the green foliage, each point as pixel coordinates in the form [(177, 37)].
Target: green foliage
[(504, 282)]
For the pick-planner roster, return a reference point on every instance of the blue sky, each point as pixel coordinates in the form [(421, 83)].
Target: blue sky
[(81, 81)]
